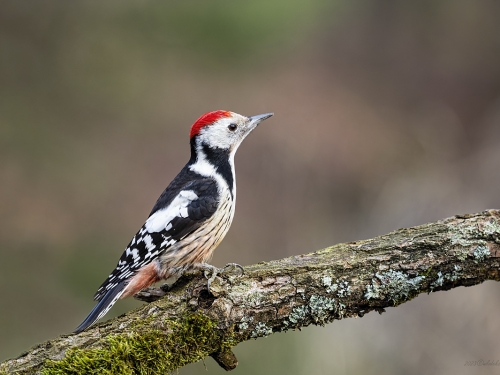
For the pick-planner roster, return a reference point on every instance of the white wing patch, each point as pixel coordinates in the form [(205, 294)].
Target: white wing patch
[(133, 252), (161, 219)]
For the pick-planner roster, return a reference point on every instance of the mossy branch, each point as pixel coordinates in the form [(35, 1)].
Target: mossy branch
[(351, 279)]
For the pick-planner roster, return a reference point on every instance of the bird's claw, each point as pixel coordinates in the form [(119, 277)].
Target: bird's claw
[(217, 271), (234, 266)]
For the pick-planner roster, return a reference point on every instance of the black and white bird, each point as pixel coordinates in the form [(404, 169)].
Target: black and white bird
[(189, 219)]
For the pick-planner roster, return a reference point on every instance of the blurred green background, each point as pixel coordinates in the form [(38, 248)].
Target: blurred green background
[(387, 114)]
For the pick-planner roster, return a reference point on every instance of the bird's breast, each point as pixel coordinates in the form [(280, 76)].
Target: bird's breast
[(198, 246)]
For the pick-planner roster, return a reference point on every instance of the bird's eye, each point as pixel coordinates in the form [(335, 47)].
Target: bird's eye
[(232, 127)]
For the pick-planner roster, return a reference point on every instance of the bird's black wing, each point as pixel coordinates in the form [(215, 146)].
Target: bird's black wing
[(180, 210)]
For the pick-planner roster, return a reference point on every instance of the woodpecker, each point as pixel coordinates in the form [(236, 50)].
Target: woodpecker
[(189, 219)]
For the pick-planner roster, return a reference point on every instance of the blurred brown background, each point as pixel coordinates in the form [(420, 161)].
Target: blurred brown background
[(387, 114)]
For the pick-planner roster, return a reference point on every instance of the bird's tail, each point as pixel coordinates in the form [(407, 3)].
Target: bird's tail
[(102, 307)]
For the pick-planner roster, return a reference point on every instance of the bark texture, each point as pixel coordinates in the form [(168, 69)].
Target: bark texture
[(188, 323)]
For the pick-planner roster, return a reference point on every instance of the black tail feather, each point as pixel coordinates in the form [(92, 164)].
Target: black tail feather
[(107, 301)]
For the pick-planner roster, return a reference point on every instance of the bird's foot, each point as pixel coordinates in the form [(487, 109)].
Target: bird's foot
[(207, 269), (211, 272), (234, 266)]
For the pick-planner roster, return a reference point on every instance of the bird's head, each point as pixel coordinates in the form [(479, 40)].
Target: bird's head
[(223, 129)]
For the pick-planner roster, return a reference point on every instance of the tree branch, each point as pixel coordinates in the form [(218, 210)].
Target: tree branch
[(344, 280)]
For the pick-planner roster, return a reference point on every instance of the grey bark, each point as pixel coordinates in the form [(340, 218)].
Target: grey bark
[(345, 280)]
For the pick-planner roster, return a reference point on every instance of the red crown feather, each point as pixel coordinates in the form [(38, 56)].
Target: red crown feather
[(207, 119)]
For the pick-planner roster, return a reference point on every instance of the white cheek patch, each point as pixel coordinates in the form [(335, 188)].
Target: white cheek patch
[(161, 219), (218, 135)]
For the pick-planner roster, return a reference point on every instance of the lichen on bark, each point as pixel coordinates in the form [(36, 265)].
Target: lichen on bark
[(188, 322)]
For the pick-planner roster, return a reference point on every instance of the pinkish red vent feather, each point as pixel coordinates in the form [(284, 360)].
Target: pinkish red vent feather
[(207, 119)]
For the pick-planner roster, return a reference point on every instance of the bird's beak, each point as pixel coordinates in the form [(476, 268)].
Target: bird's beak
[(253, 121)]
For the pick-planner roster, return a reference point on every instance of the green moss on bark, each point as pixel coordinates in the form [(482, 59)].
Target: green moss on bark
[(146, 352)]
